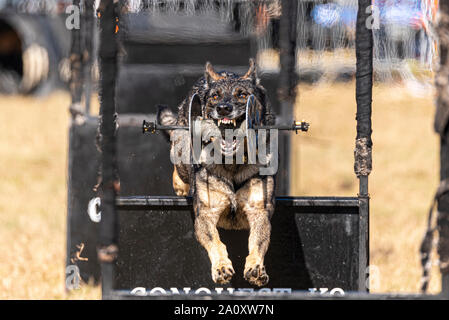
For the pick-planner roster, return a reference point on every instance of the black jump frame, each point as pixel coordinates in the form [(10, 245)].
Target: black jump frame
[(305, 209), (108, 231)]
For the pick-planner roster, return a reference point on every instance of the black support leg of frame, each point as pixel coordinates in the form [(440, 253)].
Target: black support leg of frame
[(89, 43), (288, 79), (442, 127), (288, 33), (76, 65), (443, 215), (363, 243), (363, 155), (108, 234)]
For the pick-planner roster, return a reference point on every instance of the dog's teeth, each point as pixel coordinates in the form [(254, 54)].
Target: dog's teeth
[(219, 122), (235, 122)]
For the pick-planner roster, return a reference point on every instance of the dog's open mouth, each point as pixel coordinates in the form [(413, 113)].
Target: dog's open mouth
[(227, 123)]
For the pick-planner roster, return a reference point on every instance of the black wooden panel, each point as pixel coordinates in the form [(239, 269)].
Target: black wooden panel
[(140, 88), (158, 249), (311, 247), (233, 53), (330, 244), (182, 39), (82, 177), (144, 162)]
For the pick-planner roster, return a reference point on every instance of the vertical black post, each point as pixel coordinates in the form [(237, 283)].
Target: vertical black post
[(363, 146), (443, 199), (76, 88), (443, 210), (442, 128), (108, 234), (288, 80), (88, 52)]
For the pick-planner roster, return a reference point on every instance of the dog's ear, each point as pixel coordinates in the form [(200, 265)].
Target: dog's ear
[(211, 75), (251, 74)]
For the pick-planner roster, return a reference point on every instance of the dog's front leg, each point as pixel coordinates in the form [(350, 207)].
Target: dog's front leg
[(255, 199), (209, 204)]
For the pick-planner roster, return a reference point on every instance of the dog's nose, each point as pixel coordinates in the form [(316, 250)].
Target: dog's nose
[(224, 109)]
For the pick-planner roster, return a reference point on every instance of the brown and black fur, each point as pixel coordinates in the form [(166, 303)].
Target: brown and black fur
[(229, 196)]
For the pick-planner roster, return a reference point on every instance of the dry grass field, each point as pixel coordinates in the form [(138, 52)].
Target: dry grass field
[(33, 161), (33, 193)]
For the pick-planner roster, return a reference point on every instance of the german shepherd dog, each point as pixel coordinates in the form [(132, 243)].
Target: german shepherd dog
[(230, 196)]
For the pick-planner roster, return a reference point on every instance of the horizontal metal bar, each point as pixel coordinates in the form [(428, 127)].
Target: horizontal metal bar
[(151, 127), (125, 119), (295, 295), (277, 126), (161, 127), (146, 202)]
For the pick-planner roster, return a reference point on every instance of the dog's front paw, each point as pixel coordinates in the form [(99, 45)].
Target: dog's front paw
[(222, 272), (256, 275)]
